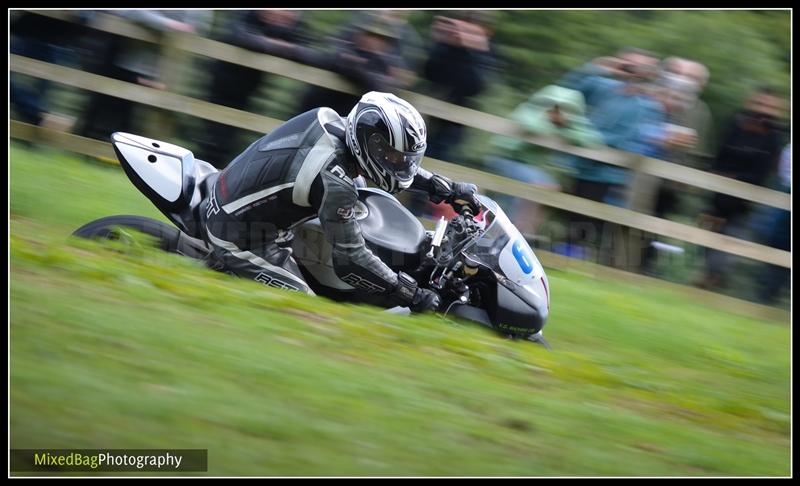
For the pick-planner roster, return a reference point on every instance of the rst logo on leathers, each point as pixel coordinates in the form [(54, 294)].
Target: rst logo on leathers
[(361, 283), (213, 206), (338, 172), (341, 173), (273, 282)]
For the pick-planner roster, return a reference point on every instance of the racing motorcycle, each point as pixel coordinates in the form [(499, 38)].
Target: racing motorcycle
[(481, 265)]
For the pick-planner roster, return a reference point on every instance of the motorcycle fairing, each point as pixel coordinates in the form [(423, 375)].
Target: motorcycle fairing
[(167, 174), (165, 170)]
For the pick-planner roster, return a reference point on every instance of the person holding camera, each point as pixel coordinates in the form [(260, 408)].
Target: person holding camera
[(623, 113), (458, 65), (749, 153)]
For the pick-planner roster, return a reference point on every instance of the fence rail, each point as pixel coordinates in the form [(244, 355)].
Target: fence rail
[(492, 182), (104, 151)]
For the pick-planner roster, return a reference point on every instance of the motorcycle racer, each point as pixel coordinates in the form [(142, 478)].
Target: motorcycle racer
[(311, 166)]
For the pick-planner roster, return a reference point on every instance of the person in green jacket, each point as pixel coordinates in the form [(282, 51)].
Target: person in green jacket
[(553, 111)]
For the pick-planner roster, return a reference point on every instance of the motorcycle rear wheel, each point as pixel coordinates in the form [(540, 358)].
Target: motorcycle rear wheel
[(170, 238)]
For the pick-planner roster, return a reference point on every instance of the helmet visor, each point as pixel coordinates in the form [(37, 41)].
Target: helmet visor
[(402, 165)]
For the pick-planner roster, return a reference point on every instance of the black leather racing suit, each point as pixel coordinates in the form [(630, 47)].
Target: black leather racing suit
[(301, 170)]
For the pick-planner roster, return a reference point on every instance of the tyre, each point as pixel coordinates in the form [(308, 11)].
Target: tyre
[(169, 237)]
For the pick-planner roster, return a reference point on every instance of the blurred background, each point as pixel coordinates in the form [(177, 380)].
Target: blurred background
[(703, 89), (644, 153)]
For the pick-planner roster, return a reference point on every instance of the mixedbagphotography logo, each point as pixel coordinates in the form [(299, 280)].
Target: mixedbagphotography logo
[(88, 460)]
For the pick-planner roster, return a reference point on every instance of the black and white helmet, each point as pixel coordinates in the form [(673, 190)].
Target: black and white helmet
[(388, 138)]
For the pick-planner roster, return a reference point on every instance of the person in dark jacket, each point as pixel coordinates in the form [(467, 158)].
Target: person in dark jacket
[(458, 66), (45, 39), (281, 33), (366, 54), (138, 62), (750, 153)]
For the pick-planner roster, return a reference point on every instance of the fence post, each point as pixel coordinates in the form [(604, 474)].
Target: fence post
[(172, 67), (640, 197)]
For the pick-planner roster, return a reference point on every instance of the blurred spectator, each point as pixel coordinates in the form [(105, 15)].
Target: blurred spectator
[(754, 139), (45, 39), (773, 278), (691, 113), (624, 113), (552, 111), (627, 116), (601, 66), (456, 69), (749, 152), (367, 58), (137, 62), (458, 65), (677, 93), (671, 139), (281, 33), (596, 78), (406, 46), (143, 58)]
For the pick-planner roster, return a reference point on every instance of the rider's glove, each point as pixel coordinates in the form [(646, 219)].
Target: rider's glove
[(425, 300), (464, 194), (410, 295), (457, 194)]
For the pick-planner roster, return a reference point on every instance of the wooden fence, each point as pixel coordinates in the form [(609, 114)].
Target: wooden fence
[(428, 106), (103, 151), (173, 63)]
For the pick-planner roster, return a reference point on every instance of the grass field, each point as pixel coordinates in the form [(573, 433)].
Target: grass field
[(139, 349)]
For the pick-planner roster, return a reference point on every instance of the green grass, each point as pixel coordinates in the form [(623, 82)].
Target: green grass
[(140, 349)]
